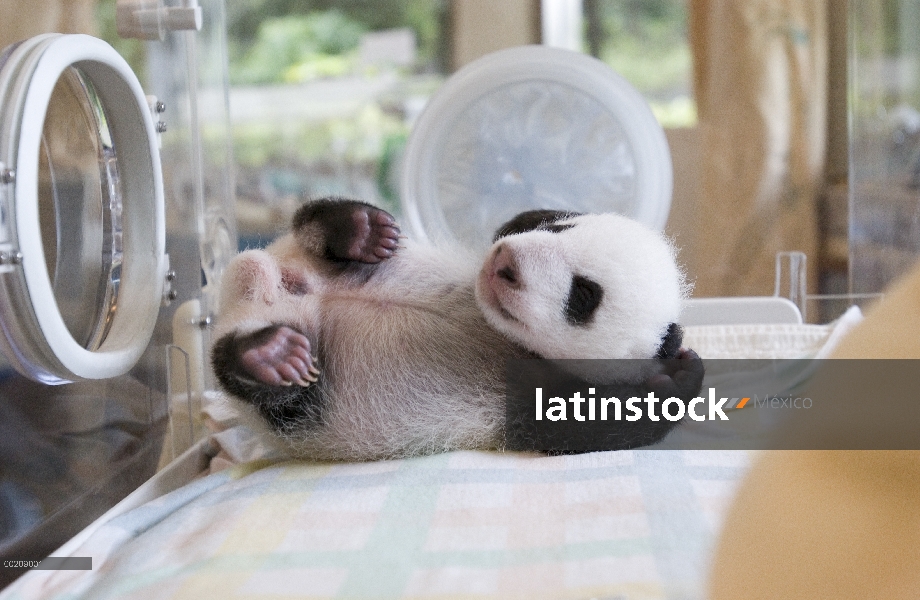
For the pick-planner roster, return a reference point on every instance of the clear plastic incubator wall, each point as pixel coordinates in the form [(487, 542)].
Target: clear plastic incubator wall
[(115, 222), (884, 105)]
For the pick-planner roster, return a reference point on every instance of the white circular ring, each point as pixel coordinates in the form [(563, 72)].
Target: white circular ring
[(527, 63), (143, 270)]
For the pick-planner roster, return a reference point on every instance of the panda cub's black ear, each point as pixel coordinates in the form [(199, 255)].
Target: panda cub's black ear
[(535, 219), (670, 343)]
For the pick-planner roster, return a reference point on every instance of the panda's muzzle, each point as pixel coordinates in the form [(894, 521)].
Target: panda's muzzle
[(504, 268), (500, 277)]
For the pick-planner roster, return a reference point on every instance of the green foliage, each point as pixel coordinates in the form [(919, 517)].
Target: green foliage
[(646, 42), (245, 18), (299, 48), (654, 73), (132, 51), (679, 112), (359, 138), (651, 22)]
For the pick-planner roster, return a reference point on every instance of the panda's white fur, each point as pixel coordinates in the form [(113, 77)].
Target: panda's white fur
[(643, 288), (412, 357)]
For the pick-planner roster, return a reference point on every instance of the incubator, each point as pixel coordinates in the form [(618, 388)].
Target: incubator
[(116, 220), (884, 107)]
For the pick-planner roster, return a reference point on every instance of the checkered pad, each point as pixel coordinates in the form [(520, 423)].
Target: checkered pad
[(626, 525)]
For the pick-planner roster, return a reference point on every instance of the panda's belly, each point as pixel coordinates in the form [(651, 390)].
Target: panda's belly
[(408, 377), (380, 356), (412, 346)]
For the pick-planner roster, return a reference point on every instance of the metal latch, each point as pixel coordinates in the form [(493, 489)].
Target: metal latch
[(10, 258), (157, 108), (169, 293)]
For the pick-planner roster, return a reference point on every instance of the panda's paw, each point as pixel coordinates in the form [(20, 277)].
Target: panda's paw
[(682, 377), (359, 232), (376, 236), (346, 230), (278, 356)]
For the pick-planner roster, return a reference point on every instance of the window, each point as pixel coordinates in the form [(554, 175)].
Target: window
[(322, 97), (646, 42)]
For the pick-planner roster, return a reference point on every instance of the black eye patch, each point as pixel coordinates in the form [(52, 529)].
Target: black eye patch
[(584, 298)]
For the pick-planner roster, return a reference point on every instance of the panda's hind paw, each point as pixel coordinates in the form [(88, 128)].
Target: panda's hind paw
[(347, 230), (278, 356), (375, 236)]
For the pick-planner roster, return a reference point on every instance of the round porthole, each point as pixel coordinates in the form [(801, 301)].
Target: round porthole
[(533, 127), (82, 230)]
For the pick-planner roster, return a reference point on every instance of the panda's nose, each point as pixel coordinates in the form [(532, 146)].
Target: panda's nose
[(505, 268)]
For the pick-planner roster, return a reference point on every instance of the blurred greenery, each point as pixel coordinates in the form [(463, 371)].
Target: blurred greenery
[(275, 41), (132, 51), (297, 48), (336, 21), (646, 42), (679, 112), (278, 42), (272, 42), (353, 138)]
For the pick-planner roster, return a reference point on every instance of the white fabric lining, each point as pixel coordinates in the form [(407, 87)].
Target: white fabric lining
[(759, 341)]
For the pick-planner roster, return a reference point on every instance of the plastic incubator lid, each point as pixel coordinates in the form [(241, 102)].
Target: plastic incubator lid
[(82, 227), (532, 127)]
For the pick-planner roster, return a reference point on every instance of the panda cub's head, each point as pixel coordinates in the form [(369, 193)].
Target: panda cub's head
[(582, 286)]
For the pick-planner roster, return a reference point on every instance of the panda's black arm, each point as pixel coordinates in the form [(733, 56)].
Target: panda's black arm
[(670, 342), (682, 378), (282, 406), (534, 219), (346, 231)]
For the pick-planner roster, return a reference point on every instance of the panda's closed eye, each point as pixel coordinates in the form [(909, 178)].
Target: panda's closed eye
[(584, 298)]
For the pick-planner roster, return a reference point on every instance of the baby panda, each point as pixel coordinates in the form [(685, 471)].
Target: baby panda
[(350, 342)]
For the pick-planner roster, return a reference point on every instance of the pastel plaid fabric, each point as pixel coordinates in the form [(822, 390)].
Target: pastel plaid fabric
[(613, 525)]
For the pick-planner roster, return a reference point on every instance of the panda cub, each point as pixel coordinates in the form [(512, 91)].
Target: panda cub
[(351, 342)]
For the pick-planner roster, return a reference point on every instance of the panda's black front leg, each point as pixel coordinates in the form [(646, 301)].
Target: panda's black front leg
[(346, 231), (274, 370)]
